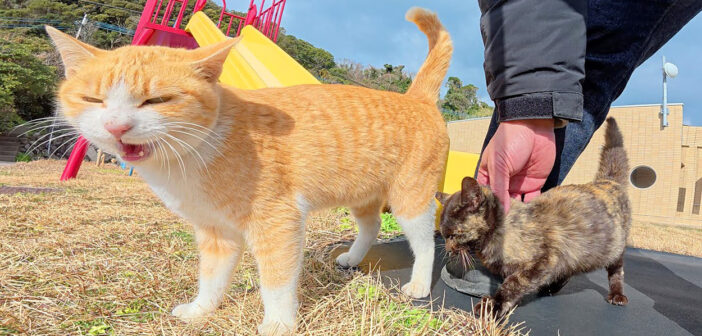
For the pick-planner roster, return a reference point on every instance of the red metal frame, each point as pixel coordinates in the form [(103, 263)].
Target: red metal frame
[(152, 32), (267, 21)]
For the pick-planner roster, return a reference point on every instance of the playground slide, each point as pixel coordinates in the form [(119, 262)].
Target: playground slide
[(458, 166), (255, 62)]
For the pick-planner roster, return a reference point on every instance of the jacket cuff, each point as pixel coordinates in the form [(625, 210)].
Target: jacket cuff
[(566, 106)]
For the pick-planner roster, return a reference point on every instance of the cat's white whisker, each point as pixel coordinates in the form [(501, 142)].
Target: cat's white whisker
[(197, 128), (41, 127), (201, 139), (34, 147), (190, 149), (75, 137), (181, 163), (165, 154), (69, 147)]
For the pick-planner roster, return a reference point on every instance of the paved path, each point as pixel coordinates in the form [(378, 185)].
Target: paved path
[(664, 290)]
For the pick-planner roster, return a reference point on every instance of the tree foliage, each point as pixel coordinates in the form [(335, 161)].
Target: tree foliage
[(26, 83), (461, 101)]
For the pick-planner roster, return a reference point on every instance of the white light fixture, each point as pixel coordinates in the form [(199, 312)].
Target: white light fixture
[(669, 70)]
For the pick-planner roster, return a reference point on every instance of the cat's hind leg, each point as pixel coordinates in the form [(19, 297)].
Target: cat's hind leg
[(368, 220), (220, 251), (615, 274), (419, 230)]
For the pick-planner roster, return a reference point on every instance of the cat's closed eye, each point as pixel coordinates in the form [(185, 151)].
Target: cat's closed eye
[(92, 100), (157, 100)]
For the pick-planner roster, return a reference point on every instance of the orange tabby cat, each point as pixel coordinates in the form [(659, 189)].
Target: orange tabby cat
[(246, 167)]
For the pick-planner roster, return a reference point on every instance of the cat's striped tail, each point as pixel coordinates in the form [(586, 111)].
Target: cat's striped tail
[(428, 81), (614, 164)]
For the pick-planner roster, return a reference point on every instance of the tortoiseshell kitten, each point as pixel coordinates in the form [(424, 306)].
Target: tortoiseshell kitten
[(539, 245)]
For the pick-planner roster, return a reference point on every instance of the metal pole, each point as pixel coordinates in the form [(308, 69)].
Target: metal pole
[(83, 22), (664, 108)]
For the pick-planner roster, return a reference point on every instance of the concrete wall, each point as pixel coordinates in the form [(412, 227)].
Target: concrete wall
[(674, 153)]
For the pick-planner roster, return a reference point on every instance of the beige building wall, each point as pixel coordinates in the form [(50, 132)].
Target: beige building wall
[(671, 152)]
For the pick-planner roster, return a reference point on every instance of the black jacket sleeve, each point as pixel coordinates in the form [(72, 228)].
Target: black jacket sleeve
[(535, 57)]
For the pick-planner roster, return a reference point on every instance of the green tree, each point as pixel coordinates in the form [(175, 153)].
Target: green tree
[(26, 83), (315, 60)]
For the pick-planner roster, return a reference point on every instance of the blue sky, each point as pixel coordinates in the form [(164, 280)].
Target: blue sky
[(375, 33)]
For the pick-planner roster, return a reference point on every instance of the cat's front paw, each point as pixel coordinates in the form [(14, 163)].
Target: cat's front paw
[(347, 260), (416, 290), (189, 311), (275, 329), (617, 299)]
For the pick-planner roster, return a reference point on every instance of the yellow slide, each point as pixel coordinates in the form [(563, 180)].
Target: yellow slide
[(458, 166), (255, 62)]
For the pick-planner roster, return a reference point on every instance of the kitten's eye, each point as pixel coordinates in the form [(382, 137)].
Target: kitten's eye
[(157, 100), (92, 100)]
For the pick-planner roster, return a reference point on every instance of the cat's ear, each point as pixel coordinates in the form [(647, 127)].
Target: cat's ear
[(208, 61), (73, 52), (471, 193), (441, 197)]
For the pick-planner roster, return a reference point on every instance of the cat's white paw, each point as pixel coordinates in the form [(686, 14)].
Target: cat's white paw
[(189, 311), (346, 259), (416, 290), (275, 329)]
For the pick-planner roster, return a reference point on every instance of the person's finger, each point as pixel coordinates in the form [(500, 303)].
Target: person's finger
[(499, 179), (531, 195), (483, 178)]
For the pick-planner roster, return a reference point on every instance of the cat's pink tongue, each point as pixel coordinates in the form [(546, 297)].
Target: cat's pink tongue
[(132, 152)]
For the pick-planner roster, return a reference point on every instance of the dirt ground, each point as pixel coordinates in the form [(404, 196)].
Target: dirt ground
[(102, 256)]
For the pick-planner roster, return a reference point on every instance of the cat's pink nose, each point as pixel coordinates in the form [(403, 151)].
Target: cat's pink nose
[(117, 129)]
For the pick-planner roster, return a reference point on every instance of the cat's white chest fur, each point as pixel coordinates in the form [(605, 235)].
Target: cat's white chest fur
[(185, 197)]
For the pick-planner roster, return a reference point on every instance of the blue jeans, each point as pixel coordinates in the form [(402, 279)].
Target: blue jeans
[(620, 36)]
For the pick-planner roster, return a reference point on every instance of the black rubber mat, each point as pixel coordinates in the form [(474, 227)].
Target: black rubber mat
[(664, 290)]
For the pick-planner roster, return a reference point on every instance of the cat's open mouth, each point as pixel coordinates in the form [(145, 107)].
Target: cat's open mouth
[(134, 152)]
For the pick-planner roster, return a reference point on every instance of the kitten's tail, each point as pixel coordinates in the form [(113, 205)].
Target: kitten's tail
[(428, 80), (614, 164)]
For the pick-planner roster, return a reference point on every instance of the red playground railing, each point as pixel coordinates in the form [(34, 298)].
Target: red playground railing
[(267, 21), (160, 24)]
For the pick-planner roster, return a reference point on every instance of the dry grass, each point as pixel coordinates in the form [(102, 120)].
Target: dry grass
[(673, 239), (103, 256)]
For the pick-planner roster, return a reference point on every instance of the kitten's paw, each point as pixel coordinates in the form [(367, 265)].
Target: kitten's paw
[(416, 290), (189, 311), (275, 329), (347, 260), (617, 299), (484, 307)]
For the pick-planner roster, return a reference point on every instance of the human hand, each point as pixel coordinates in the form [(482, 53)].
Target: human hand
[(518, 159)]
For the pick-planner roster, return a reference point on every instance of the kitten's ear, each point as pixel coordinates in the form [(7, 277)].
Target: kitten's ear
[(441, 197), (73, 52), (208, 61), (471, 193)]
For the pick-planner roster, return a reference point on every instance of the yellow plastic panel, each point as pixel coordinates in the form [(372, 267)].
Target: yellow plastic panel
[(255, 61), (458, 166)]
